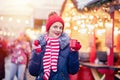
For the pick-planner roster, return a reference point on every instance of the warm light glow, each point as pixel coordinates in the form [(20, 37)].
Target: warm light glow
[(83, 16), (76, 17), (68, 31), (100, 23), (116, 31), (67, 24), (75, 28), (90, 27), (26, 22), (0, 32), (119, 32), (10, 19), (4, 33), (108, 24), (43, 29), (12, 34), (1, 18), (70, 5), (82, 31), (91, 17), (33, 34), (100, 32), (18, 20), (78, 22), (67, 19), (83, 25)]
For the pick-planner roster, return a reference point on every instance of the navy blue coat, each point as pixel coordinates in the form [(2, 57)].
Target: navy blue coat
[(68, 61)]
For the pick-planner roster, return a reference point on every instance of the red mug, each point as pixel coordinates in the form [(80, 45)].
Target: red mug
[(73, 43)]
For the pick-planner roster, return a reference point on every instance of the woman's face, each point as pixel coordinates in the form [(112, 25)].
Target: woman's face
[(55, 30)]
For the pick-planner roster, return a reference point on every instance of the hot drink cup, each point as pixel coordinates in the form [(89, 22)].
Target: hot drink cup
[(73, 43)]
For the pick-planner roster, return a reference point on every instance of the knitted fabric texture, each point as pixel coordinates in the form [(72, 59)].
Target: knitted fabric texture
[(50, 58), (52, 19)]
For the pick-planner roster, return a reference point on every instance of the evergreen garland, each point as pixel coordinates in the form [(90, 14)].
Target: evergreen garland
[(97, 4), (113, 8)]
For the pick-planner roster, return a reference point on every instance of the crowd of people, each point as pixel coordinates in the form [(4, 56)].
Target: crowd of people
[(19, 50)]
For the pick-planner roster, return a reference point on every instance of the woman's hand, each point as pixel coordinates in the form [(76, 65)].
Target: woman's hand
[(36, 46), (75, 45)]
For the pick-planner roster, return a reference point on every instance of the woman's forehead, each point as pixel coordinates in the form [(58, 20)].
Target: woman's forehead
[(57, 23)]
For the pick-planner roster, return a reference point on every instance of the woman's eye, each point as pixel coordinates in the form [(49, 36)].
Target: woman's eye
[(61, 27), (55, 26)]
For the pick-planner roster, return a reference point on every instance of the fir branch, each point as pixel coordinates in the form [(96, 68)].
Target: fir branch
[(97, 3)]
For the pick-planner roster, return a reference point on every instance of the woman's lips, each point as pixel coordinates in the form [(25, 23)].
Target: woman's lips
[(57, 34)]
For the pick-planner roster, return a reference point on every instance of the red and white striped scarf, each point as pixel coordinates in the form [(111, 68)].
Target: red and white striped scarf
[(50, 58)]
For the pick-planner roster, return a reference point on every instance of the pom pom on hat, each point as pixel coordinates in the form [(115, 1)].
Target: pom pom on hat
[(52, 19)]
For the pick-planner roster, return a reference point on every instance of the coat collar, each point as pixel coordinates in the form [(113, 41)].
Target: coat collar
[(64, 40)]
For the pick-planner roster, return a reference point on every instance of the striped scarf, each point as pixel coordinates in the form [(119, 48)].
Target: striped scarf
[(51, 56)]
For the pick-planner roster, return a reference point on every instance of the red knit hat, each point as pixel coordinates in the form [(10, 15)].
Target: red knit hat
[(52, 19)]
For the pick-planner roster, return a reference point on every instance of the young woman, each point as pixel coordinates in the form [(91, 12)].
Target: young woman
[(52, 57)]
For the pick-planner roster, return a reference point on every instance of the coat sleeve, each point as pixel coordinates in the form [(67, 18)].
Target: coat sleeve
[(73, 62), (34, 64)]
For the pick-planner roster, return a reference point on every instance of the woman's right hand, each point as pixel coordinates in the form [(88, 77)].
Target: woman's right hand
[(36, 46)]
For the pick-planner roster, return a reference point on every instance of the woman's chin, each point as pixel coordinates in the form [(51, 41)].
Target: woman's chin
[(56, 36)]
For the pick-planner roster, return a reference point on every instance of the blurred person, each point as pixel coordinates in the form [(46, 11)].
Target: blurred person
[(101, 56), (3, 55), (53, 55), (27, 39), (19, 57)]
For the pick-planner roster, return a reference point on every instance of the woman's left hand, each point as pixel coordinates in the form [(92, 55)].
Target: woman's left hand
[(78, 46)]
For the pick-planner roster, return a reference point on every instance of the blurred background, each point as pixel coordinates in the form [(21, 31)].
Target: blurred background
[(85, 20)]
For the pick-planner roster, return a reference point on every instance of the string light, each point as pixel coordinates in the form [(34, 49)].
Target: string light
[(1, 18), (18, 20), (26, 22), (10, 19)]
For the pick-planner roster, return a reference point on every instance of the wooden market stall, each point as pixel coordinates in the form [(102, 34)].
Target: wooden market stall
[(98, 19)]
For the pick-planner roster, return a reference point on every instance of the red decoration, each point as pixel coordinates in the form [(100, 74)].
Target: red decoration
[(92, 48)]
